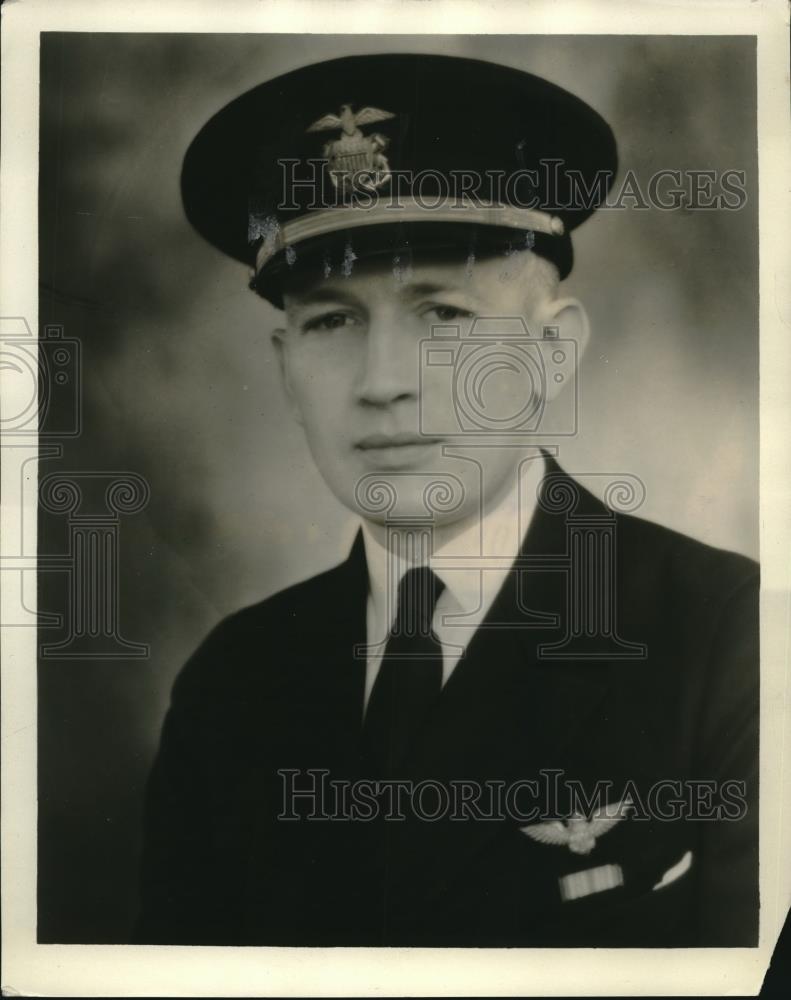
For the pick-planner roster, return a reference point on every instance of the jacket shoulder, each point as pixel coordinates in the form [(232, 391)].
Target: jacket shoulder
[(653, 557), (311, 596), (256, 643), (673, 559)]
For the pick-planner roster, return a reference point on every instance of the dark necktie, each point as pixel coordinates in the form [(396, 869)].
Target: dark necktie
[(409, 678)]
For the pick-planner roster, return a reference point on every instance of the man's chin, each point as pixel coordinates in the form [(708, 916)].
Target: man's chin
[(410, 496)]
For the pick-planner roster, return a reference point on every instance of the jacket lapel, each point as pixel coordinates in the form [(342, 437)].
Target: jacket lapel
[(347, 636), (506, 712), (505, 667)]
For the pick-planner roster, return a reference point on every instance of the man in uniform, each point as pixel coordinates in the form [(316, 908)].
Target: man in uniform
[(515, 715)]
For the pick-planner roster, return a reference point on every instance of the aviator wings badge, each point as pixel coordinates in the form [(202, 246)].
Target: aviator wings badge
[(579, 834), (356, 161)]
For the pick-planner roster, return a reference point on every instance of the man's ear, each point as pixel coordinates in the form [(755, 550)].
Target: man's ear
[(281, 350), (569, 318)]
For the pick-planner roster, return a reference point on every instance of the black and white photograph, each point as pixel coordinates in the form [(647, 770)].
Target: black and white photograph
[(387, 460)]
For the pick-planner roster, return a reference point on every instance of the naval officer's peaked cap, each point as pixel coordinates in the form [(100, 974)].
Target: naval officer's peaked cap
[(388, 153)]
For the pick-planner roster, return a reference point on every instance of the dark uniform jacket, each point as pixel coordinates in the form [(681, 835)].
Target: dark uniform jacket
[(668, 716)]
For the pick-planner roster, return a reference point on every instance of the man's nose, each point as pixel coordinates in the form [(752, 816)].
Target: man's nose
[(390, 369)]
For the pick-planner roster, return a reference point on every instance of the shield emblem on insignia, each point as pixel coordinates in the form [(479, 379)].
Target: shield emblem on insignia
[(349, 163), (356, 162)]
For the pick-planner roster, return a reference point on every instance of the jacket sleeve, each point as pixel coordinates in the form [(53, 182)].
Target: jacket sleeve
[(181, 885), (728, 753)]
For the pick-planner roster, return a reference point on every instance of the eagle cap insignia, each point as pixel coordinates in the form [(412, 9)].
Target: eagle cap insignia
[(578, 833), (356, 161)]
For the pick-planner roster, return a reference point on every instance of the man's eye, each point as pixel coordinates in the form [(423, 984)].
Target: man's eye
[(446, 314), (328, 321)]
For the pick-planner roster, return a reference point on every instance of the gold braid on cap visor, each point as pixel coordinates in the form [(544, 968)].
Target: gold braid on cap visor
[(277, 237)]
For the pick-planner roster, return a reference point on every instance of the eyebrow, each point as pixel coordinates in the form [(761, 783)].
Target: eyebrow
[(427, 288), (335, 295), (318, 295)]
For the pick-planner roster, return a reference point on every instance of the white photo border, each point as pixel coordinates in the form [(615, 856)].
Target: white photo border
[(127, 970)]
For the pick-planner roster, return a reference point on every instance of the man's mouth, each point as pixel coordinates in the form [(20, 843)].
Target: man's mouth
[(404, 439), (391, 450)]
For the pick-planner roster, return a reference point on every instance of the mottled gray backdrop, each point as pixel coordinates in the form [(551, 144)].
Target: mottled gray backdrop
[(179, 382)]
